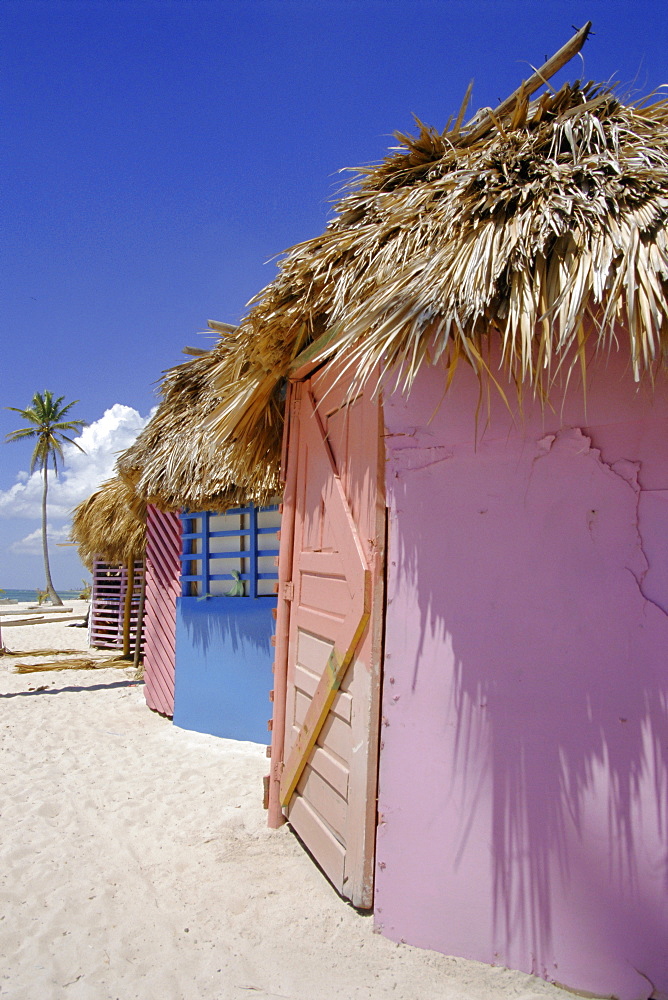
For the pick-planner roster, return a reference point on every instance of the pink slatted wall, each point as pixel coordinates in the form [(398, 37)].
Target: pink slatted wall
[(163, 586), (110, 581)]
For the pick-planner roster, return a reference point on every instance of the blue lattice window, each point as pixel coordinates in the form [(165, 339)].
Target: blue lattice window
[(231, 554)]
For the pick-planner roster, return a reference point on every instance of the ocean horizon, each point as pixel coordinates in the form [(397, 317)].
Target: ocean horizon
[(9, 594)]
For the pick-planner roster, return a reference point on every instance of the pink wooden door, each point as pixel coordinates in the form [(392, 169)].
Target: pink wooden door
[(328, 777), (163, 586)]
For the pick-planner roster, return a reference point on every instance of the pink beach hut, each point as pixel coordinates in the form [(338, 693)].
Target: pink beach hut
[(133, 552), (207, 656), (470, 729), (110, 535)]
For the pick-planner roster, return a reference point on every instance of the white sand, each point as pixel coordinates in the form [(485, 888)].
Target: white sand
[(135, 864)]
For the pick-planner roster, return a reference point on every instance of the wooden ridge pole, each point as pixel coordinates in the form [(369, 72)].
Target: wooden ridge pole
[(536, 80)]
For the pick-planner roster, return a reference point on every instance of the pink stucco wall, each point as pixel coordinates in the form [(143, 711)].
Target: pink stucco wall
[(524, 747)]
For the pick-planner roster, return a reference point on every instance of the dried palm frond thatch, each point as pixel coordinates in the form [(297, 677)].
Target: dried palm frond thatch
[(80, 663), (175, 462), (110, 525), (532, 227)]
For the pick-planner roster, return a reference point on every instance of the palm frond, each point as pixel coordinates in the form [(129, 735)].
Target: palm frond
[(49, 428), (22, 432)]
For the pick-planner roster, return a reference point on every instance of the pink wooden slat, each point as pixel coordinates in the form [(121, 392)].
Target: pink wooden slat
[(158, 686), (163, 569), (159, 696), (324, 800), (107, 607), (162, 650), (320, 839), (331, 768), (158, 633), (165, 540)]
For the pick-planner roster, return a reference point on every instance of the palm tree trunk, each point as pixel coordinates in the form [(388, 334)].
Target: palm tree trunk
[(45, 548)]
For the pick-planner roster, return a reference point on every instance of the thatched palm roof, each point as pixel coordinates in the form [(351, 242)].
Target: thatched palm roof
[(174, 463), (110, 525), (527, 227), (518, 233)]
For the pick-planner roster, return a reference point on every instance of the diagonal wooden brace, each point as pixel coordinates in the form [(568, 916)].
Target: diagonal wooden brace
[(324, 695)]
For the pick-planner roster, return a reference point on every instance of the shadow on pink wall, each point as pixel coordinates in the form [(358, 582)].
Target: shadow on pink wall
[(526, 651)]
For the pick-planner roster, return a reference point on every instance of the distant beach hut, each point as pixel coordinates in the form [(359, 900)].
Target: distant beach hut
[(222, 572), (470, 726), (130, 550), (110, 534)]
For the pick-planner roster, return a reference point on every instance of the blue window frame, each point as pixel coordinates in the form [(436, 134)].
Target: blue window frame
[(232, 554)]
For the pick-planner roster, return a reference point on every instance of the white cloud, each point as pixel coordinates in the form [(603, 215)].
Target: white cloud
[(31, 545), (81, 473)]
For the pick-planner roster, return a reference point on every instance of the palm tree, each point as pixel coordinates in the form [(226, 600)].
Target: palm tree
[(47, 426)]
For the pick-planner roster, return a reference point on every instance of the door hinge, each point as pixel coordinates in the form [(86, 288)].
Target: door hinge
[(289, 591)]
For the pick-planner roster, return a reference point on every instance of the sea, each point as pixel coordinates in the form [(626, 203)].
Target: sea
[(31, 595)]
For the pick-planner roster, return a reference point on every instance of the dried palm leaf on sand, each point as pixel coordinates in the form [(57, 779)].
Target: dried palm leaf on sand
[(82, 663), (41, 652)]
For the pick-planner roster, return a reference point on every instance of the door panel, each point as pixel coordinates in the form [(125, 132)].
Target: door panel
[(333, 673)]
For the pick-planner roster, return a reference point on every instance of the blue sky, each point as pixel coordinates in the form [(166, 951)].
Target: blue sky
[(158, 154)]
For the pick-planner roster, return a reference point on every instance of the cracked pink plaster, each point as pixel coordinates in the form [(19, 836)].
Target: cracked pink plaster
[(574, 442), (415, 459)]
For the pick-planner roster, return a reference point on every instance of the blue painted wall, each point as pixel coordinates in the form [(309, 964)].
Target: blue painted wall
[(223, 666)]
